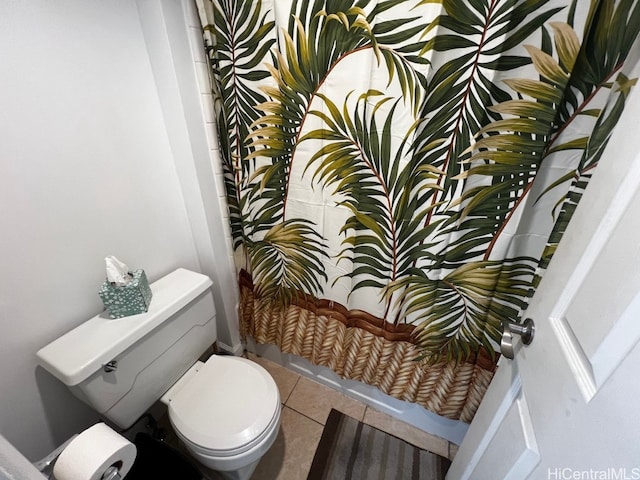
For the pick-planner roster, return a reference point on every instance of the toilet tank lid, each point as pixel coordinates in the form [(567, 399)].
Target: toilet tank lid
[(75, 356)]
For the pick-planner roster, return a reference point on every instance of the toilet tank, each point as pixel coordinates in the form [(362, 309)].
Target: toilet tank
[(121, 366)]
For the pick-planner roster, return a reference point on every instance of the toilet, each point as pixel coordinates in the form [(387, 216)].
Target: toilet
[(225, 410)]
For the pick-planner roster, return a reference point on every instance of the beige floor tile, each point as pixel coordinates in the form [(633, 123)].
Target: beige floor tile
[(291, 455), (316, 401), (284, 378), (410, 434), (453, 449)]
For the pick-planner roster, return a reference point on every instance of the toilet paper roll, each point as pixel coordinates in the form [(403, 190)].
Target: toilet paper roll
[(92, 452)]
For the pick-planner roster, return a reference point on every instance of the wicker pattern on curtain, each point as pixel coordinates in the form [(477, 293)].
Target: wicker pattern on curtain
[(395, 169)]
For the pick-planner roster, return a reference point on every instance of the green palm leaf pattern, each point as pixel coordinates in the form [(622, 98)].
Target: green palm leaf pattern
[(513, 150), (464, 309), (593, 151), (383, 237), (461, 88), (612, 28), (522, 144), (540, 126), (600, 58), (285, 262), (431, 172), (335, 31), (240, 44)]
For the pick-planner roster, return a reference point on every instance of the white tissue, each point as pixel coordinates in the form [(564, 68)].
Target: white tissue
[(117, 272)]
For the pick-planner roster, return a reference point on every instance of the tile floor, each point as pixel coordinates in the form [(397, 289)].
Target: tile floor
[(306, 406)]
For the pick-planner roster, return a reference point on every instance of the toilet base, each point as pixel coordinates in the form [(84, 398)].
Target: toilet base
[(156, 459), (238, 467), (243, 473)]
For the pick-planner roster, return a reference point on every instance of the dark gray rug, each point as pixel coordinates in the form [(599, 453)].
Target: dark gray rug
[(352, 450)]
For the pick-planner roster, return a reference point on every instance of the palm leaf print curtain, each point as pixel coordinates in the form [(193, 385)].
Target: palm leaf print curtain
[(398, 172)]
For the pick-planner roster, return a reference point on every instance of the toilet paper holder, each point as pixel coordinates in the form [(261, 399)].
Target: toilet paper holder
[(45, 466), (112, 473)]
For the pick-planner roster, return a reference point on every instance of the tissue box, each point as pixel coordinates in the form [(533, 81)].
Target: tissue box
[(130, 299)]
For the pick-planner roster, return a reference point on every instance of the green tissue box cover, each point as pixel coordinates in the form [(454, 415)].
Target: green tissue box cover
[(130, 299)]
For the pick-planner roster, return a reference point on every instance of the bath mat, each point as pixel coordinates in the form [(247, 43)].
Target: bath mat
[(352, 450)]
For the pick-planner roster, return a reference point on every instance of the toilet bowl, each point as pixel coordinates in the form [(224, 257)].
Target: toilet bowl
[(226, 412)]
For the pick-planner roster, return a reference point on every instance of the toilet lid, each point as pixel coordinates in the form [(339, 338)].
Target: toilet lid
[(226, 405)]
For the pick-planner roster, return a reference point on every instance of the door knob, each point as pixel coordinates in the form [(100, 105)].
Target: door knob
[(526, 330)]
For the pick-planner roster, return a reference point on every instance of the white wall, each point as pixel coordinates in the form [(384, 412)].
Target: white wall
[(86, 170), (174, 41)]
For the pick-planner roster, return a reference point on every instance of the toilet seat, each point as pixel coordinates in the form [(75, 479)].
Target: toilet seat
[(228, 407)]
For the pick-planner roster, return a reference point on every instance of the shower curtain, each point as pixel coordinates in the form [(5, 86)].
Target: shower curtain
[(399, 172)]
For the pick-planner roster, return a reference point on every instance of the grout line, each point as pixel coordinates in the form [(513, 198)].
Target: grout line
[(305, 416), (291, 392)]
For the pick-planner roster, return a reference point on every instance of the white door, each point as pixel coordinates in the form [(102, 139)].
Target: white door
[(568, 405)]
